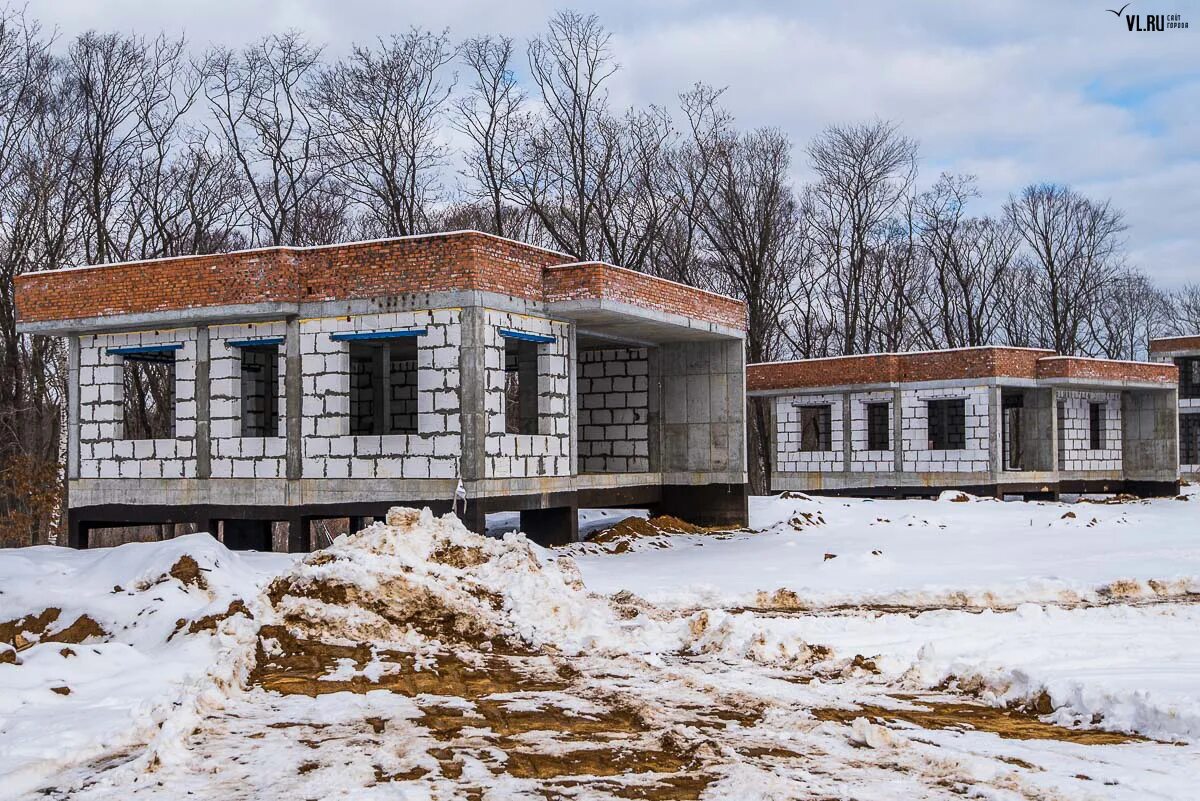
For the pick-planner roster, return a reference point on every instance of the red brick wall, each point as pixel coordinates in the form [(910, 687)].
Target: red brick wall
[(1107, 370), (946, 365), (1166, 344), (597, 280), (439, 262)]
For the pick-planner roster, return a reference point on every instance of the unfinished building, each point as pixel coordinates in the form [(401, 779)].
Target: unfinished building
[(990, 420), (282, 385), (1184, 353)]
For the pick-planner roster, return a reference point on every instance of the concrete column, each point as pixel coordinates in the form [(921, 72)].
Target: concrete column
[(472, 386), (573, 395), (1054, 423), (293, 394), (654, 400), (383, 391), (203, 403), (995, 431), (73, 406), (898, 430), (847, 432), (298, 540)]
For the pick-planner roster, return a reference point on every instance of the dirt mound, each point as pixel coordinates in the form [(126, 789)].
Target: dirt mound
[(633, 527), (477, 633)]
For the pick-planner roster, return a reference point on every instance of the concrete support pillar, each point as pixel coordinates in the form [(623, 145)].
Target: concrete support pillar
[(1054, 424), (847, 433), (293, 396), (556, 526), (203, 403), (654, 401), (383, 391), (472, 368), (73, 406), (898, 431), (573, 395), (78, 530), (995, 431), (298, 539)]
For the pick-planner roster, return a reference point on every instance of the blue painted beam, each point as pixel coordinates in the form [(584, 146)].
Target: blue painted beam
[(357, 336), (525, 336), (254, 343), (143, 350)]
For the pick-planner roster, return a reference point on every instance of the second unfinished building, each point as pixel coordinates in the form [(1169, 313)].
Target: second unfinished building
[(988, 420)]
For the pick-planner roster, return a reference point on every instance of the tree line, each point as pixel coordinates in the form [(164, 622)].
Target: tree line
[(116, 147)]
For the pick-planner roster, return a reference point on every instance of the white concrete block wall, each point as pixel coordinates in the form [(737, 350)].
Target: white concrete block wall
[(788, 456), (329, 449), (235, 456), (103, 452), (919, 457), (613, 410), (547, 453), (863, 460), (1074, 431)]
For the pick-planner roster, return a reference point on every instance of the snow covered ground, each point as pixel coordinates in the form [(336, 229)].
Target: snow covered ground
[(826, 552), (843, 648)]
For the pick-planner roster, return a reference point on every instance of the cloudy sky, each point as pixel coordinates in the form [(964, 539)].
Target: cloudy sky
[(1013, 91)]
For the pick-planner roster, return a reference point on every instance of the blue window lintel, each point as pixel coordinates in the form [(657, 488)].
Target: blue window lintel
[(350, 336), (525, 336), (134, 350), (254, 343)]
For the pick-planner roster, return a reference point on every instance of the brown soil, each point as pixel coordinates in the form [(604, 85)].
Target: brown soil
[(1012, 724), (187, 572), (209, 622), (23, 632), (635, 527), (61, 690)]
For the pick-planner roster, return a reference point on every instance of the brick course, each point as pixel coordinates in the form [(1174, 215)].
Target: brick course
[(438, 262), (947, 365)]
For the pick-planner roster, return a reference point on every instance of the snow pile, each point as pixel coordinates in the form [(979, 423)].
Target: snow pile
[(104, 646), (423, 579)]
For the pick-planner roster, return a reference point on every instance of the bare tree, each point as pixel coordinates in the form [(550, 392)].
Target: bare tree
[(1074, 244), (1185, 311), (382, 113), (260, 105), (38, 212), (127, 88), (864, 174), (750, 221), (493, 118), (969, 259), (1131, 313)]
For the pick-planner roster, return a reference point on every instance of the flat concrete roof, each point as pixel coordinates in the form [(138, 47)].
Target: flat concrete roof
[(270, 283)]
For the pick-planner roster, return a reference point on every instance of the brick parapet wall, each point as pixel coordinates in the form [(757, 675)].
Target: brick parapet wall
[(434, 263), (1106, 370), (596, 280), (1174, 344), (948, 365)]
